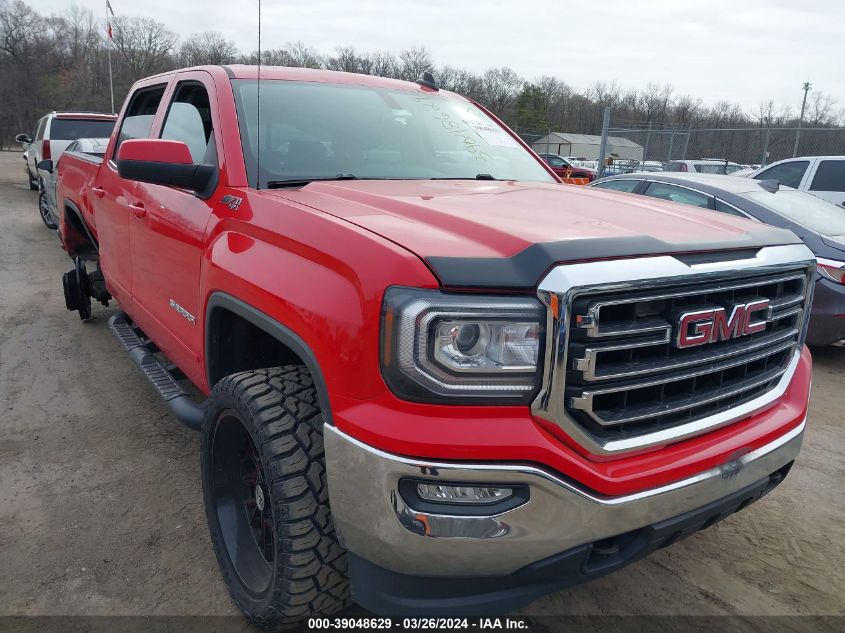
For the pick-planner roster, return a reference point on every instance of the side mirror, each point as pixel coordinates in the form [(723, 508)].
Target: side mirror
[(162, 162), (23, 139), (45, 165)]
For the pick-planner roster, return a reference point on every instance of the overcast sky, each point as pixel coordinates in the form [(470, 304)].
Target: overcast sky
[(743, 51)]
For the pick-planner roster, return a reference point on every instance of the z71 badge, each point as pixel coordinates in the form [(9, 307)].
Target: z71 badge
[(233, 202)]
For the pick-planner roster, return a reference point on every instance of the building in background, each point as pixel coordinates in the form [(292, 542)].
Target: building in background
[(587, 146)]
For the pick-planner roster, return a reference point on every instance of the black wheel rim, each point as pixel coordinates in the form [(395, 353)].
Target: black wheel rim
[(242, 503)]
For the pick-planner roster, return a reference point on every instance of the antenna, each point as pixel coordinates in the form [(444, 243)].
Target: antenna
[(428, 81), (258, 108)]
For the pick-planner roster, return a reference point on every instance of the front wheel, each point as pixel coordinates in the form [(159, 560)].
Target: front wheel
[(44, 210), (266, 498), (33, 182)]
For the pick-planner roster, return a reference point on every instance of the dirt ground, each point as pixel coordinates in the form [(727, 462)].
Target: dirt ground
[(100, 501)]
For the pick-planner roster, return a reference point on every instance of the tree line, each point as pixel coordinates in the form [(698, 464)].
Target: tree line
[(60, 62)]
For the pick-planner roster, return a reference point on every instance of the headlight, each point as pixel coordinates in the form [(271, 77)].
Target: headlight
[(438, 346)]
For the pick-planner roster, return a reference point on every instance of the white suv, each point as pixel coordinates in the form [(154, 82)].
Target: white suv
[(53, 133), (822, 176)]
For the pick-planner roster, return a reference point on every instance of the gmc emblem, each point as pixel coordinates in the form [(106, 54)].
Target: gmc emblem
[(714, 324)]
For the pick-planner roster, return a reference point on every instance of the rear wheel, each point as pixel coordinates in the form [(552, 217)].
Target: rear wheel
[(44, 210), (266, 499)]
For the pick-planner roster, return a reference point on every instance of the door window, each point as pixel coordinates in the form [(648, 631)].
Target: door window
[(138, 120), (788, 174), (678, 194), (189, 120), (618, 185), (39, 132), (830, 176)]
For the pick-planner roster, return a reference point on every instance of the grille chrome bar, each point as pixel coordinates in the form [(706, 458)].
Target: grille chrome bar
[(592, 320), (587, 365), (586, 401), (613, 354)]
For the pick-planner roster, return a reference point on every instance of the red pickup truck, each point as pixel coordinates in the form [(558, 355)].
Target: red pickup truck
[(436, 380)]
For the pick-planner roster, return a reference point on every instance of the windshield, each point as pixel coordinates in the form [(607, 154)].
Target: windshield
[(803, 208), (310, 131), (72, 129)]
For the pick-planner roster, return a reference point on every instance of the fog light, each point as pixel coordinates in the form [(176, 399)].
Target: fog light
[(462, 494)]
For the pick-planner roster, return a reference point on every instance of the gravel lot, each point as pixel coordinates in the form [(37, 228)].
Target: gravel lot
[(100, 500)]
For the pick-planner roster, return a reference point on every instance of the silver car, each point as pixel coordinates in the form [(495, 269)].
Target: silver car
[(47, 204)]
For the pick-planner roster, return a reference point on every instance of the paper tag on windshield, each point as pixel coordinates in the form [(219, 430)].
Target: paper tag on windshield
[(491, 133)]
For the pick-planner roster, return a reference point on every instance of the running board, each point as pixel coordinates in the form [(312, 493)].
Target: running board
[(180, 403)]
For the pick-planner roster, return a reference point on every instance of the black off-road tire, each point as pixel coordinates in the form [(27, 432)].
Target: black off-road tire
[(279, 410)]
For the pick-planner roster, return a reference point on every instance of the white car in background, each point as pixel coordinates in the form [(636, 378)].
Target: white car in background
[(704, 166), (53, 133), (822, 176)]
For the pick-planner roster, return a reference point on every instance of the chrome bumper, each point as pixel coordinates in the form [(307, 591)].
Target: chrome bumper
[(376, 524)]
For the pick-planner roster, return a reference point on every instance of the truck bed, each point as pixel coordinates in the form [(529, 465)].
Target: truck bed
[(76, 174)]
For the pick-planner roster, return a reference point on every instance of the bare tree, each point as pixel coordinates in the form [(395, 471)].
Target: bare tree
[(145, 45), (499, 89), (20, 27), (820, 109), (209, 47), (413, 62)]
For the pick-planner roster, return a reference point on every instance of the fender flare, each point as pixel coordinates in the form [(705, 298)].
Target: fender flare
[(69, 206), (271, 326)]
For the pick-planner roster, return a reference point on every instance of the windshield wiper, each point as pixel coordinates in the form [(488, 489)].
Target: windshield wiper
[(301, 182)]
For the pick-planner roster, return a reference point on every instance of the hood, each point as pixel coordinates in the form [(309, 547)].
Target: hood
[(834, 241), (477, 221)]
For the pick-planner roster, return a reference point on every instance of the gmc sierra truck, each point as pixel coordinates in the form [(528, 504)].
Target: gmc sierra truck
[(436, 380)]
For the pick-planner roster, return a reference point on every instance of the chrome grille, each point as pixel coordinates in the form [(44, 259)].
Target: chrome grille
[(616, 378), (628, 376)]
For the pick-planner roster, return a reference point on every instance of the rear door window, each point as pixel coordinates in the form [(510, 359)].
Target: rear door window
[(72, 129), (830, 176), (788, 174), (189, 120), (619, 185), (39, 132), (138, 120), (724, 207), (678, 194)]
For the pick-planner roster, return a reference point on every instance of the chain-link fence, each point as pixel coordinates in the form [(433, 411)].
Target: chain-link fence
[(658, 146), (746, 146)]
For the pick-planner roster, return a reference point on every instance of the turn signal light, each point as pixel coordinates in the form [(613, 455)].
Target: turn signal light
[(833, 270)]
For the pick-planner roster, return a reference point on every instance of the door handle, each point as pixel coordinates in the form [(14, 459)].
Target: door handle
[(98, 191), (138, 210)]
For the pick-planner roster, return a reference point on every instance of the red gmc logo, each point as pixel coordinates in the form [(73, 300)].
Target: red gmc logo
[(714, 324)]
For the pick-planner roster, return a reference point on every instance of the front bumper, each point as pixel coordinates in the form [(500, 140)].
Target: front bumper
[(382, 531)]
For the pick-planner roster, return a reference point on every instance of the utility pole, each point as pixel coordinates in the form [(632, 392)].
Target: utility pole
[(807, 87), (605, 126)]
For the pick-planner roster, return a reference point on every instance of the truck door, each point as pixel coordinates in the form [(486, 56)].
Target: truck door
[(828, 180), (111, 195), (167, 231)]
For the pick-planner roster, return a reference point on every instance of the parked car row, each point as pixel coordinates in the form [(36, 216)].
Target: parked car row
[(819, 224), (54, 132)]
